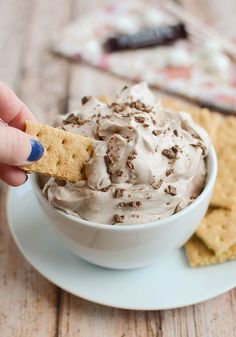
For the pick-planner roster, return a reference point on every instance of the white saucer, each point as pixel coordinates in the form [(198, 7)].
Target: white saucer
[(170, 283)]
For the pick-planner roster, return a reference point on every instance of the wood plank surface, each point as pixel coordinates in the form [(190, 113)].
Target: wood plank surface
[(29, 304)]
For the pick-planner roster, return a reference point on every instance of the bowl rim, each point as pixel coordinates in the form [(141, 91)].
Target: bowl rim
[(211, 177)]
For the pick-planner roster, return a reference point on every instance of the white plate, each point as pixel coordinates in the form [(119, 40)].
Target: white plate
[(170, 283)]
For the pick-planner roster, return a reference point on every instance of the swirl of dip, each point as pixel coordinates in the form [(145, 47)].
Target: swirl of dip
[(148, 162)]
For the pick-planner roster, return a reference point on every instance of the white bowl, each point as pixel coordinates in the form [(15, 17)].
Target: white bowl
[(129, 246)]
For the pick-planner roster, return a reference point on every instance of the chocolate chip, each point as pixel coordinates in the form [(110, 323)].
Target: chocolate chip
[(130, 164), (140, 119), (157, 184), (176, 133), (85, 99), (169, 172), (104, 189), (108, 160), (118, 193), (133, 155), (118, 218), (138, 105), (171, 190), (72, 119), (119, 173), (156, 132), (201, 146), (132, 204), (169, 153)]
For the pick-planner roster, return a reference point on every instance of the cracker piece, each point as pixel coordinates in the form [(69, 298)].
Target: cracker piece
[(65, 153), (199, 255), (226, 135), (210, 121), (224, 194), (218, 230)]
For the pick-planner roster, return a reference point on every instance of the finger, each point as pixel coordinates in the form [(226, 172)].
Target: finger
[(12, 175), (17, 148), (12, 110)]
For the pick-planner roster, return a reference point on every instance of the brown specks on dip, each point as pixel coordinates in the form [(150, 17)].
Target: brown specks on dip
[(119, 173), (140, 119), (118, 193), (201, 146), (156, 132), (169, 153), (85, 99), (169, 172), (118, 218), (171, 190), (73, 119), (131, 204), (172, 152), (157, 184)]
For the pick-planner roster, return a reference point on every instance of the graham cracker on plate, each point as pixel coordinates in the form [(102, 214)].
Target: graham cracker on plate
[(210, 121), (218, 230), (199, 255), (64, 155)]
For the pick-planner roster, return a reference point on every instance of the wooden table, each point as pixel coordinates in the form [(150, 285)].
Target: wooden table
[(31, 306)]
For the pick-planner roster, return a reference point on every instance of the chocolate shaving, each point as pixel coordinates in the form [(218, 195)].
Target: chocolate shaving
[(118, 218), (157, 184), (138, 105), (72, 119), (132, 156), (119, 173), (85, 99), (108, 160), (201, 146), (172, 152), (118, 193), (130, 164), (117, 107), (169, 172), (156, 132), (132, 204), (177, 149), (176, 133), (171, 190), (140, 119), (104, 189), (169, 153)]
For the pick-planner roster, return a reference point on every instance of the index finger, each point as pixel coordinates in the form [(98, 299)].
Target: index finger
[(12, 110)]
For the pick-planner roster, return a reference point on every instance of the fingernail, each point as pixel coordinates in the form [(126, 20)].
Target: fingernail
[(26, 178), (37, 150)]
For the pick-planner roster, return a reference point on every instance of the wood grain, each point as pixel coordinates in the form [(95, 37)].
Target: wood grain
[(29, 304)]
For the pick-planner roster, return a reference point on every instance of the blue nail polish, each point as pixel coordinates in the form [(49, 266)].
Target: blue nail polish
[(37, 150)]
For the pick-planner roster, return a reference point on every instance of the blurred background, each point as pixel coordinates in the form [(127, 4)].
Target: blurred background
[(49, 83)]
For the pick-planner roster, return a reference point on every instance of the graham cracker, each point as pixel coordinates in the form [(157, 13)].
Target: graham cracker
[(225, 188), (199, 255), (210, 121), (64, 155), (218, 230), (227, 135)]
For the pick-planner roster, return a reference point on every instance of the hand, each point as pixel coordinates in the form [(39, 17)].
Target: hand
[(16, 147)]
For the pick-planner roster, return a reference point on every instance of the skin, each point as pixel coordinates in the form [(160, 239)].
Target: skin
[(15, 144)]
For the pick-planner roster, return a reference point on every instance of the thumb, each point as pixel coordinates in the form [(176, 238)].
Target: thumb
[(18, 148)]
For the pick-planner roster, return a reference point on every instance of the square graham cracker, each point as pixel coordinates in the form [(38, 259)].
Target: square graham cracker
[(218, 230), (65, 153), (199, 255)]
